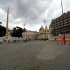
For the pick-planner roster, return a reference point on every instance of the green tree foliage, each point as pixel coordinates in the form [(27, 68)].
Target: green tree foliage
[(17, 31), (2, 31)]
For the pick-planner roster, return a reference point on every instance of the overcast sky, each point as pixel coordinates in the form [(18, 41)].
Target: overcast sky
[(31, 12)]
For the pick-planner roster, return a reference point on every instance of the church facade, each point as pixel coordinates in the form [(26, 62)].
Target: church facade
[(43, 33)]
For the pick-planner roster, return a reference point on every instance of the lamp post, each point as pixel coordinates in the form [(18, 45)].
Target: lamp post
[(45, 30), (63, 22), (18, 33), (15, 34), (24, 31)]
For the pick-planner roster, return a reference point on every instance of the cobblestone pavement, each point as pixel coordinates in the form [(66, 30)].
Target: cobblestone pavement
[(34, 55)]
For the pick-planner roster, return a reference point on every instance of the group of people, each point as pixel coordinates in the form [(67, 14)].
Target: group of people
[(8, 40)]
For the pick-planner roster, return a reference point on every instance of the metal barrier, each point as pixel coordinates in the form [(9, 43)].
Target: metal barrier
[(67, 40), (61, 40)]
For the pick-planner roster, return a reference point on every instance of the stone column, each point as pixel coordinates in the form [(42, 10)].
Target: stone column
[(6, 37)]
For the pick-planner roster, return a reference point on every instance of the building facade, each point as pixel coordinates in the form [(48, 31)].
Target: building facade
[(57, 25), (36, 35), (43, 33), (29, 34)]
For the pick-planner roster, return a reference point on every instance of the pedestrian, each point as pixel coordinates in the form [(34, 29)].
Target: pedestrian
[(25, 40)]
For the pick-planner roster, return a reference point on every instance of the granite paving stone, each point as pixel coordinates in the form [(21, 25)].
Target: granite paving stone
[(34, 55)]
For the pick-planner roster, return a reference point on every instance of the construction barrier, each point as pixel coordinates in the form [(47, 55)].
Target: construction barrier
[(67, 40), (61, 40)]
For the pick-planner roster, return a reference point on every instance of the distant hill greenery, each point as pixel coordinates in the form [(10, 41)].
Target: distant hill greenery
[(2, 31)]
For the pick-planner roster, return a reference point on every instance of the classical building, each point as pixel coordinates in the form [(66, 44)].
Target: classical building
[(57, 25), (50, 32), (29, 34), (11, 31), (43, 33), (36, 35)]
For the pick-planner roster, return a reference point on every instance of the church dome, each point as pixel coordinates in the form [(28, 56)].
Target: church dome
[(41, 29)]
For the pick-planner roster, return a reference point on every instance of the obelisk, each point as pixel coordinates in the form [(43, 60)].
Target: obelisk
[(6, 37)]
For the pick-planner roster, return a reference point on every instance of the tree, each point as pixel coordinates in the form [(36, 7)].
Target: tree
[(24, 30), (0, 22), (13, 34), (17, 31), (2, 31)]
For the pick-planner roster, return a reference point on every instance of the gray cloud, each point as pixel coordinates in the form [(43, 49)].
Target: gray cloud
[(29, 9), (32, 12)]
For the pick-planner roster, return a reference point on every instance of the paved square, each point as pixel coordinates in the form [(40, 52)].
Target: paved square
[(34, 55)]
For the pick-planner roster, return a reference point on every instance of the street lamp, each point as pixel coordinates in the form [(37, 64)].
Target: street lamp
[(45, 30), (24, 31), (63, 22), (15, 34)]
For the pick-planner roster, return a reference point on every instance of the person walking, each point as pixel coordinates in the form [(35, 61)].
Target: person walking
[(25, 39)]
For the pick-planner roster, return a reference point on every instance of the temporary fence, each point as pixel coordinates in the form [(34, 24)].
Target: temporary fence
[(67, 40), (61, 40)]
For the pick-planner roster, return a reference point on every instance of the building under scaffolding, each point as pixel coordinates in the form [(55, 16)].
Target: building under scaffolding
[(57, 24)]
